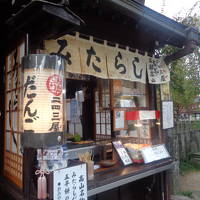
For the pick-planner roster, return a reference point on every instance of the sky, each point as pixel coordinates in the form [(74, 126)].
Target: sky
[(172, 7)]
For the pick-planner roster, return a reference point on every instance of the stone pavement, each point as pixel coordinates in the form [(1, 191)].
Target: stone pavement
[(189, 182), (179, 197)]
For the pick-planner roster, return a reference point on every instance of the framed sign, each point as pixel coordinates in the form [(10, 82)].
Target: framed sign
[(124, 156), (70, 183), (119, 122), (167, 114), (154, 153)]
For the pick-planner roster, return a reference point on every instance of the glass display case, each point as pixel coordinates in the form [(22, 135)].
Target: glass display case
[(127, 94)]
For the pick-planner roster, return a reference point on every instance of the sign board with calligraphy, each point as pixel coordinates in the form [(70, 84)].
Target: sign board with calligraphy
[(154, 153), (70, 183), (117, 62), (66, 47), (167, 114), (124, 156), (138, 64), (93, 59), (104, 61), (158, 71)]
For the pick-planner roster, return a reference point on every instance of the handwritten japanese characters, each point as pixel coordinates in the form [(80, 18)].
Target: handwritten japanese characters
[(70, 183), (154, 153), (88, 57), (67, 48), (93, 59), (158, 72), (117, 61), (167, 114), (43, 99), (138, 65), (125, 158)]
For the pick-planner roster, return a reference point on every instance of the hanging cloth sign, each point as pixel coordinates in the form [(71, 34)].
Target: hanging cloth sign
[(66, 47), (137, 63), (93, 58), (117, 63), (88, 57), (158, 72)]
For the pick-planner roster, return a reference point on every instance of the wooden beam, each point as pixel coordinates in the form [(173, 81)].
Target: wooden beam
[(189, 48)]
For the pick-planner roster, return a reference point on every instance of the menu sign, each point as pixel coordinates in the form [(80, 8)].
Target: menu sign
[(125, 158), (147, 114), (70, 183), (154, 153), (167, 115), (119, 122)]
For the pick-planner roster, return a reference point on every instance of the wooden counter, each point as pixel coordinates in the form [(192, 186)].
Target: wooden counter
[(103, 181), (119, 175)]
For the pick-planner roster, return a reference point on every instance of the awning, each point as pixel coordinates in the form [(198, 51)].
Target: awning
[(169, 31), (44, 20)]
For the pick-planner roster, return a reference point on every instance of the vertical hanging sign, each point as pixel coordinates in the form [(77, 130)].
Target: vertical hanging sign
[(93, 58), (158, 71), (117, 62), (43, 94), (137, 63), (167, 114), (67, 48)]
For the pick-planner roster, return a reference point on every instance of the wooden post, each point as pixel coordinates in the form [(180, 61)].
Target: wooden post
[(29, 177)]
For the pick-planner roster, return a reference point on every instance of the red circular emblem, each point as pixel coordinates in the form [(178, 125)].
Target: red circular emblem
[(54, 84)]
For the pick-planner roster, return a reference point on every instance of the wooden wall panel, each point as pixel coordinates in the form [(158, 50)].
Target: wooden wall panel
[(13, 159)]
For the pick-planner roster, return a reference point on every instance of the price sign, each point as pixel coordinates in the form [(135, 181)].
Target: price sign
[(70, 183), (125, 158), (154, 153)]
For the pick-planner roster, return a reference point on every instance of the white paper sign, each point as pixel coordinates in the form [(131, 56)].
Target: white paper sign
[(70, 183), (125, 158), (119, 119), (50, 154), (154, 153), (147, 114), (167, 114), (158, 71)]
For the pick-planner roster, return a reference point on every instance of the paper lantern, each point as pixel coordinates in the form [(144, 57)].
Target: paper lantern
[(43, 100)]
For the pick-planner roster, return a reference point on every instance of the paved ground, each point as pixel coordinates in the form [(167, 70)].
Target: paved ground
[(189, 182), (179, 197)]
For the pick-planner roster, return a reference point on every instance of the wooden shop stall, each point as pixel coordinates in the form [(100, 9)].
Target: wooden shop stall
[(87, 101)]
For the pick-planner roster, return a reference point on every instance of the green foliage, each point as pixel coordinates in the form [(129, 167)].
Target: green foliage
[(184, 86), (188, 166), (77, 138), (185, 72), (196, 125), (185, 76), (187, 194)]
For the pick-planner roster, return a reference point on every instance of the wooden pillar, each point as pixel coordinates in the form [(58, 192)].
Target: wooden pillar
[(2, 110), (29, 177)]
